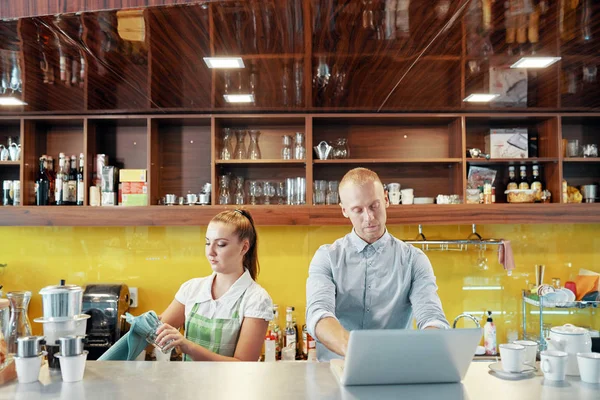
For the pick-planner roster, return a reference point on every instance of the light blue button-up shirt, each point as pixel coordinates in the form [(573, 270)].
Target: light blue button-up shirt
[(371, 286)]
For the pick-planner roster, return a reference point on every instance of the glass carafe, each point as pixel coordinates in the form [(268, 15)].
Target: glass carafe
[(226, 150), (254, 149), (224, 195), (19, 325), (240, 147), (239, 191)]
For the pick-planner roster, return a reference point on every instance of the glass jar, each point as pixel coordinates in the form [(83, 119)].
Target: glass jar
[(341, 150), (254, 149), (226, 150), (286, 147)]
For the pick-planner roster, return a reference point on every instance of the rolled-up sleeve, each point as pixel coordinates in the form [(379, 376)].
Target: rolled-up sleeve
[(320, 290), (424, 299)]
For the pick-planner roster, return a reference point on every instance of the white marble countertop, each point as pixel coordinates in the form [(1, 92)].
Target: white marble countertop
[(294, 380)]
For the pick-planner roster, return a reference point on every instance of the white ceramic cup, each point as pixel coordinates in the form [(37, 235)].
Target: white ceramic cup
[(554, 365), (28, 368), (589, 367), (530, 350), (72, 368), (394, 198), (512, 356), (407, 196)]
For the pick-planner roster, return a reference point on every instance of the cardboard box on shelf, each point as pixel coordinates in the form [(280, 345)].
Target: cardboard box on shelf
[(507, 143), (134, 200), (132, 175), (134, 188)]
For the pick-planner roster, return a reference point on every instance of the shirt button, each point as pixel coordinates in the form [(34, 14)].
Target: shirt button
[(368, 309), (369, 287)]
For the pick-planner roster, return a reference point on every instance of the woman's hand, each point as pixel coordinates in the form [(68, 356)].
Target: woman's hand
[(167, 334)]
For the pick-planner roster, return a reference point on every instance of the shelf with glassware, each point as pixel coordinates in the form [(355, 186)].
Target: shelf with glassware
[(553, 313)]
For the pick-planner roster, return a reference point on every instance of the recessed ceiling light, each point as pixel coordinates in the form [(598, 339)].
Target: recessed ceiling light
[(480, 97), (224, 62), (11, 101), (535, 62), (239, 98)]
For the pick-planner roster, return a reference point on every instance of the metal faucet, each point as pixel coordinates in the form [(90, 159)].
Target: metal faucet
[(465, 315)]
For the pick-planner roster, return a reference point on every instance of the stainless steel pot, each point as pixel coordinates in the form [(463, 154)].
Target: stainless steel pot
[(71, 345), (62, 300), (29, 346)]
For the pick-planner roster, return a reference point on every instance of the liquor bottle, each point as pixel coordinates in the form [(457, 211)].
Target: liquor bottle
[(308, 343), (42, 184), (523, 182), (512, 179), (291, 334), (278, 332), (72, 183), (52, 179), (536, 183), (271, 342), (62, 181), (80, 184)]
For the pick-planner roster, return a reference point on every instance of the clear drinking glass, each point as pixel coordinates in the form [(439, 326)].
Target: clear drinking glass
[(299, 149), (320, 192), (332, 197), (18, 325), (254, 149), (151, 338), (286, 147), (240, 147)]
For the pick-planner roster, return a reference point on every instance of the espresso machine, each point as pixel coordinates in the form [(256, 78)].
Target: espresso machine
[(105, 303)]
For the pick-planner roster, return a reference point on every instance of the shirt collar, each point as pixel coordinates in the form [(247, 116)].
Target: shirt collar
[(232, 294), (360, 244)]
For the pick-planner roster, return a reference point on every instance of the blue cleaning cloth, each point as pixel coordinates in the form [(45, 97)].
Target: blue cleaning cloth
[(133, 342)]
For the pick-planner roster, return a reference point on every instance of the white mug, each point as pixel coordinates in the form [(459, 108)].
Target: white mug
[(530, 350), (554, 365), (407, 196), (589, 367), (394, 198), (512, 356)]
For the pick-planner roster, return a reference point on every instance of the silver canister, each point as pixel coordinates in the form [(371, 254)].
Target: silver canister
[(71, 345), (62, 301), (29, 346), (589, 193)]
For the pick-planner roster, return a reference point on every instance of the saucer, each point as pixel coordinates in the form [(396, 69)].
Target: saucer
[(527, 371)]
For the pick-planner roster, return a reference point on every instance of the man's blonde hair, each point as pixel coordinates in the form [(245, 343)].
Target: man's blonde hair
[(359, 176)]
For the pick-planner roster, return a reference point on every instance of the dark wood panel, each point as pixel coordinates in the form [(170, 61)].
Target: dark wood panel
[(300, 215), (31, 8), (184, 158), (124, 141)]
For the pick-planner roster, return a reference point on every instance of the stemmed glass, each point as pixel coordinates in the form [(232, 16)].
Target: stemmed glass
[(255, 191), (269, 191)]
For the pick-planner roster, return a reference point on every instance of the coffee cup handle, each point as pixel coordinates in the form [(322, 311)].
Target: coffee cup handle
[(546, 366)]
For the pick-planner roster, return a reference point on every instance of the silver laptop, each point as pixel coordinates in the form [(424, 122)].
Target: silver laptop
[(404, 356)]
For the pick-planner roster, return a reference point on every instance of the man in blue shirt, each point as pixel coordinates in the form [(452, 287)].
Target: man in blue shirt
[(368, 279)]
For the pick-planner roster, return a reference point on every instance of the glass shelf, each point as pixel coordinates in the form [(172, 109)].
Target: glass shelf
[(534, 300)]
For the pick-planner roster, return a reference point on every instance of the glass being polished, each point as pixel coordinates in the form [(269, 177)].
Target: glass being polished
[(368, 279)]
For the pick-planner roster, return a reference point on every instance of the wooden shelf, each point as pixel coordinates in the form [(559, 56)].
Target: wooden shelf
[(512, 160), (263, 161), (13, 163), (581, 160), (461, 214), (389, 161)]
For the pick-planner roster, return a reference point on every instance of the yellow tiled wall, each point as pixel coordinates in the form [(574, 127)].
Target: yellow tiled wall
[(158, 259)]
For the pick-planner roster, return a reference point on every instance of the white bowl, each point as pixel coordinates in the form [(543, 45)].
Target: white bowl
[(55, 328), (423, 200)]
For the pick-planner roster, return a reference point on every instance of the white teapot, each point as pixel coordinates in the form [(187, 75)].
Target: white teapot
[(570, 339)]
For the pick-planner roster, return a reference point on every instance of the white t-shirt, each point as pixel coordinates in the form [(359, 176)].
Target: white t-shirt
[(256, 302)]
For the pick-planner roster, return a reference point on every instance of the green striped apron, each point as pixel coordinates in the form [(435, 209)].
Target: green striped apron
[(218, 335)]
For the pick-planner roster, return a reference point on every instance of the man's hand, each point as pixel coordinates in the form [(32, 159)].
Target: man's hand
[(333, 335)]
